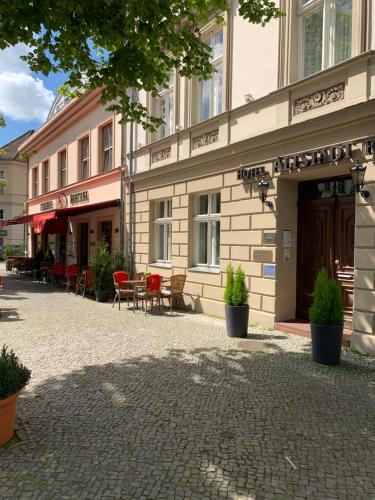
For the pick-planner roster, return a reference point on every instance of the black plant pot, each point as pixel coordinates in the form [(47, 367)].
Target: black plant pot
[(237, 318), (101, 296), (326, 343)]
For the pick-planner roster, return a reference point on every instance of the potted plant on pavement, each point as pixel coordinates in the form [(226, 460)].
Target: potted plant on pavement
[(327, 318), (236, 306), (102, 272), (13, 377)]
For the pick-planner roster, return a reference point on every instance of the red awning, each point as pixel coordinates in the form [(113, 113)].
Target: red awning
[(33, 218), (51, 226), (82, 209)]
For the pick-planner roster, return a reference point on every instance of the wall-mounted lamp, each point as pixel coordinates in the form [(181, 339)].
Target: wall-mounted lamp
[(358, 175), (263, 186)]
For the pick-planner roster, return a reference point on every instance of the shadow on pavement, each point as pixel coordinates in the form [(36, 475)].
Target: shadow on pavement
[(204, 422)]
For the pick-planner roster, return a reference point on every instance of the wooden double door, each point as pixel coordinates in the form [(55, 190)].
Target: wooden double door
[(326, 239)]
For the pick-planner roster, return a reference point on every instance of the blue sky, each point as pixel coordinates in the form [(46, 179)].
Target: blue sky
[(25, 97)]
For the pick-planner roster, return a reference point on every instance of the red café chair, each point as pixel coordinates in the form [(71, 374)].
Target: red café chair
[(72, 274), (122, 289), (85, 282), (149, 292), (57, 272)]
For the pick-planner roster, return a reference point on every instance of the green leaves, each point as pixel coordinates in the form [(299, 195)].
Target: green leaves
[(120, 44), (13, 375), (102, 268), (327, 308), (235, 293)]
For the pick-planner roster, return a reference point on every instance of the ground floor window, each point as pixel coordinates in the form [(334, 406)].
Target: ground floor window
[(163, 231), (207, 229)]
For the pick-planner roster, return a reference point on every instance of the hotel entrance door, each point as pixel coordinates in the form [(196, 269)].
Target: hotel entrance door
[(326, 219)]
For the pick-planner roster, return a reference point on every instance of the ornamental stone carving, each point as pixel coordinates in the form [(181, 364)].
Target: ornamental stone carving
[(320, 98), (206, 139), (163, 154)]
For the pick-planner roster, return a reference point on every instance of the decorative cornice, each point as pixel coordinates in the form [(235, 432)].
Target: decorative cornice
[(163, 154), (320, 98), (206, 139)]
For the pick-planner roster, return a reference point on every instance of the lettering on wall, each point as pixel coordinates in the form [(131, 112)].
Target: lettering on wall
[(314, 157), (250, 173), (81, 197), (47, 205)]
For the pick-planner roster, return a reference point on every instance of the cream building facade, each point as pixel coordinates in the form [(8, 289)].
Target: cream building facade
[(13, 192), (290, 105)]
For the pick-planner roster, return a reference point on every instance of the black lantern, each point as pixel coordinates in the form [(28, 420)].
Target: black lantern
[(358, 176), (263, 188)]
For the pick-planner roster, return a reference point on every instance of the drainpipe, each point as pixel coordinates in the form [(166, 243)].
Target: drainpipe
[(130, 195), (122, 192), (26, 226)]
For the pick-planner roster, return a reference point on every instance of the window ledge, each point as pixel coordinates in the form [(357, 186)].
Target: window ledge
[(163, 265), (202, 269)]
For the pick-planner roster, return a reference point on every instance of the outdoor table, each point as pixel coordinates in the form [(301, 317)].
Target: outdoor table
[(133, 282)]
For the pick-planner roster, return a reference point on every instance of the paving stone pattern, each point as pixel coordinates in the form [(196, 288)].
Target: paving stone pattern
[(129, 406)]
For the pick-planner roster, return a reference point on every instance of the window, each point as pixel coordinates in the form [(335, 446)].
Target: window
[(107, 148), (35, 181), (163, 231), (1, 214), (325, 28), (84, 158), (207, 229), (165, 109), (210, 92), (62, 168), (45, 176), (2, 182)]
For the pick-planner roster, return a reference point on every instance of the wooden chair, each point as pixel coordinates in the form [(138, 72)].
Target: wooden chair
[(123, 290), (72, 275), (149, 292), (84, 283), (174, 290)]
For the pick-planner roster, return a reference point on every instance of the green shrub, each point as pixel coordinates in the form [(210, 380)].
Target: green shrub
[(48, 256), (327, 307), (9, 251), (239, 293), (229, 285), (102, 270), (13, 375), (119, 261)]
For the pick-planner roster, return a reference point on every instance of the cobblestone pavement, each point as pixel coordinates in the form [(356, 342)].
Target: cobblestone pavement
[(128, 406)]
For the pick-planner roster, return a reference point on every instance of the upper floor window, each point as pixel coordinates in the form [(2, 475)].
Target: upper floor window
[(84, 158), (45, 176), (210, 92), (1, 214), (325, 28), (164, 105), (2, 184), (107, 145), (163, 231), (62, 168), (35, 178), (207, 229)]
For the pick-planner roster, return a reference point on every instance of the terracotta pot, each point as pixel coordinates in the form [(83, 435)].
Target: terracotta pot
[(7, 417)]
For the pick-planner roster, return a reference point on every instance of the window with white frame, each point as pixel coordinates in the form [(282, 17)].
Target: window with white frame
[(163, 231), (2, 184), (35, 181), (45, 176), (107, 145), (325, 34), (84, 158), (62, 168), (210, 92), (207, 230), (164, 108)]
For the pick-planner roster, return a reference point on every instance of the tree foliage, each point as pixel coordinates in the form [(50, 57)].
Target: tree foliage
[(119, 44), (327, 307)]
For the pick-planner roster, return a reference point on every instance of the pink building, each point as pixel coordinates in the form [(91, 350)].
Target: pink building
[(74, 180)]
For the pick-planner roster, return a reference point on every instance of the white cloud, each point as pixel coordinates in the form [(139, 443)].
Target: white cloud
[(22, 96)]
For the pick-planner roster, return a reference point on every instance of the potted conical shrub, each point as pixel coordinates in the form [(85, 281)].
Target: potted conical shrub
[(102, 272), (327, 319), (13, 377), (236, 306)]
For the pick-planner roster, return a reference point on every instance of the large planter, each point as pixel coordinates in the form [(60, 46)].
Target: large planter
[(7, 417), (237, 318), (326, 343), (101, 296)]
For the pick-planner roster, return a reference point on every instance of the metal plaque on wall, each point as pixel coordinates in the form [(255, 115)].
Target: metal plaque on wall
[(269, 238), (269, 270), (262, 256)]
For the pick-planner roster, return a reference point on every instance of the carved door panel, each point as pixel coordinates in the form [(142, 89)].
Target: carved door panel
[(315, 248), (344, 254)]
